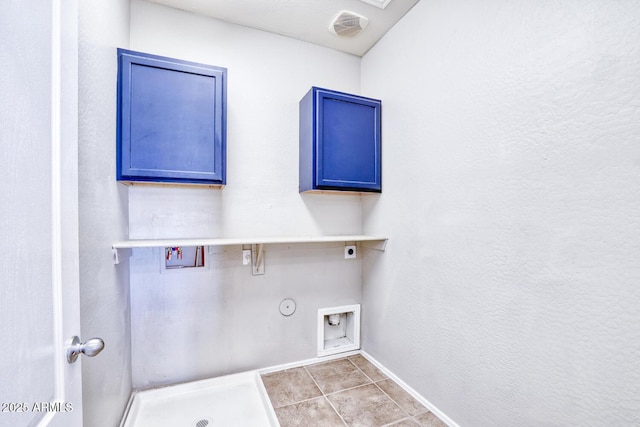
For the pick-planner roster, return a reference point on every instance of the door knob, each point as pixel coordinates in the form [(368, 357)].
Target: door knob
[(90, 348)]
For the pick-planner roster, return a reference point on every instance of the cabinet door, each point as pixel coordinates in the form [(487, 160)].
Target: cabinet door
[(340, 142), (171, 120)]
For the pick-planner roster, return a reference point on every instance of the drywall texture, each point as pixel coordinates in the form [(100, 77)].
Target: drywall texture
[(104, 297), (189, 325), (196, 325), (508, 293)]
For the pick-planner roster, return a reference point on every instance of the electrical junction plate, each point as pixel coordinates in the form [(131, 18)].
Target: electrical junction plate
[(287, 307)]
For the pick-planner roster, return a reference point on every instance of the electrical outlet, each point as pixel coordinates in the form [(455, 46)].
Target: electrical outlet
[(246, 256), (350, 251)]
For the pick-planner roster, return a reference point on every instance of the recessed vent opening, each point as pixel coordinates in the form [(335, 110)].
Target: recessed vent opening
[(348, 24), (378, 3)]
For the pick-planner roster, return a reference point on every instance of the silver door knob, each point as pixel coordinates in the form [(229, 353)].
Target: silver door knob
[(90, 348)]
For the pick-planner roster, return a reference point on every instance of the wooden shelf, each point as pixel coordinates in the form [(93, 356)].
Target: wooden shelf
[(375, 242)]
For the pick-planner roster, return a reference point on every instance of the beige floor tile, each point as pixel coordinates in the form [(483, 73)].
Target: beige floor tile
[(408, 422), (337, 375), (367, 367), (401, 397), (297, 396), (317, 413), (290, 386), (428, 419), (366, 406)]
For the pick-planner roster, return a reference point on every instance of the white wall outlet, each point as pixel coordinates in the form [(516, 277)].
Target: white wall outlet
[(350, 251), (246, 256)]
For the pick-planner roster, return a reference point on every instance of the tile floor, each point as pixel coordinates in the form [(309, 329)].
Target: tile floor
[(349, 391)]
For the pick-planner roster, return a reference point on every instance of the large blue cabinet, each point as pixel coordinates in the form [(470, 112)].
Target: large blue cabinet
[(171, 120), (340, 144)]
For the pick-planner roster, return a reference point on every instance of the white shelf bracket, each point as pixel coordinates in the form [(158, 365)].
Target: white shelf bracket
[(379, 245), (257, 259), (118, 253)]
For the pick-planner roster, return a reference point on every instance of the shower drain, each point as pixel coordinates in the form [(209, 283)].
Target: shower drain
[(202, 423)]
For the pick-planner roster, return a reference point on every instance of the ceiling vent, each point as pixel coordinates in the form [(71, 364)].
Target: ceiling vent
[(348, 24), (378, 3)]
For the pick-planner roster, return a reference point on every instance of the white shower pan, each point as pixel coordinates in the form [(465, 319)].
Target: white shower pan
[(238, 400)]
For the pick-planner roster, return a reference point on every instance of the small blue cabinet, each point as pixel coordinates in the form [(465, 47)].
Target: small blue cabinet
[(339, 142), (171, 120)]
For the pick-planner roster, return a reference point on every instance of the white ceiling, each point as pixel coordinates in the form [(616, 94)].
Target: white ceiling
[(306, 20)]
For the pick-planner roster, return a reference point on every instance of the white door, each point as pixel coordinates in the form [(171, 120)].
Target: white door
[(39, 302)]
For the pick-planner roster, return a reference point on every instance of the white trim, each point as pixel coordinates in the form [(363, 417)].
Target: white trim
[(430, 406), (56, 194), (315, 360)]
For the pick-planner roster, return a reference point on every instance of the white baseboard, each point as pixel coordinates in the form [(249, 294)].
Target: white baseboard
[(297, 364), (430, 406)]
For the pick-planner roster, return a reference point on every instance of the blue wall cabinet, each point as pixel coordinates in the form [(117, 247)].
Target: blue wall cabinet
[(171, 120), (339, 142)]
